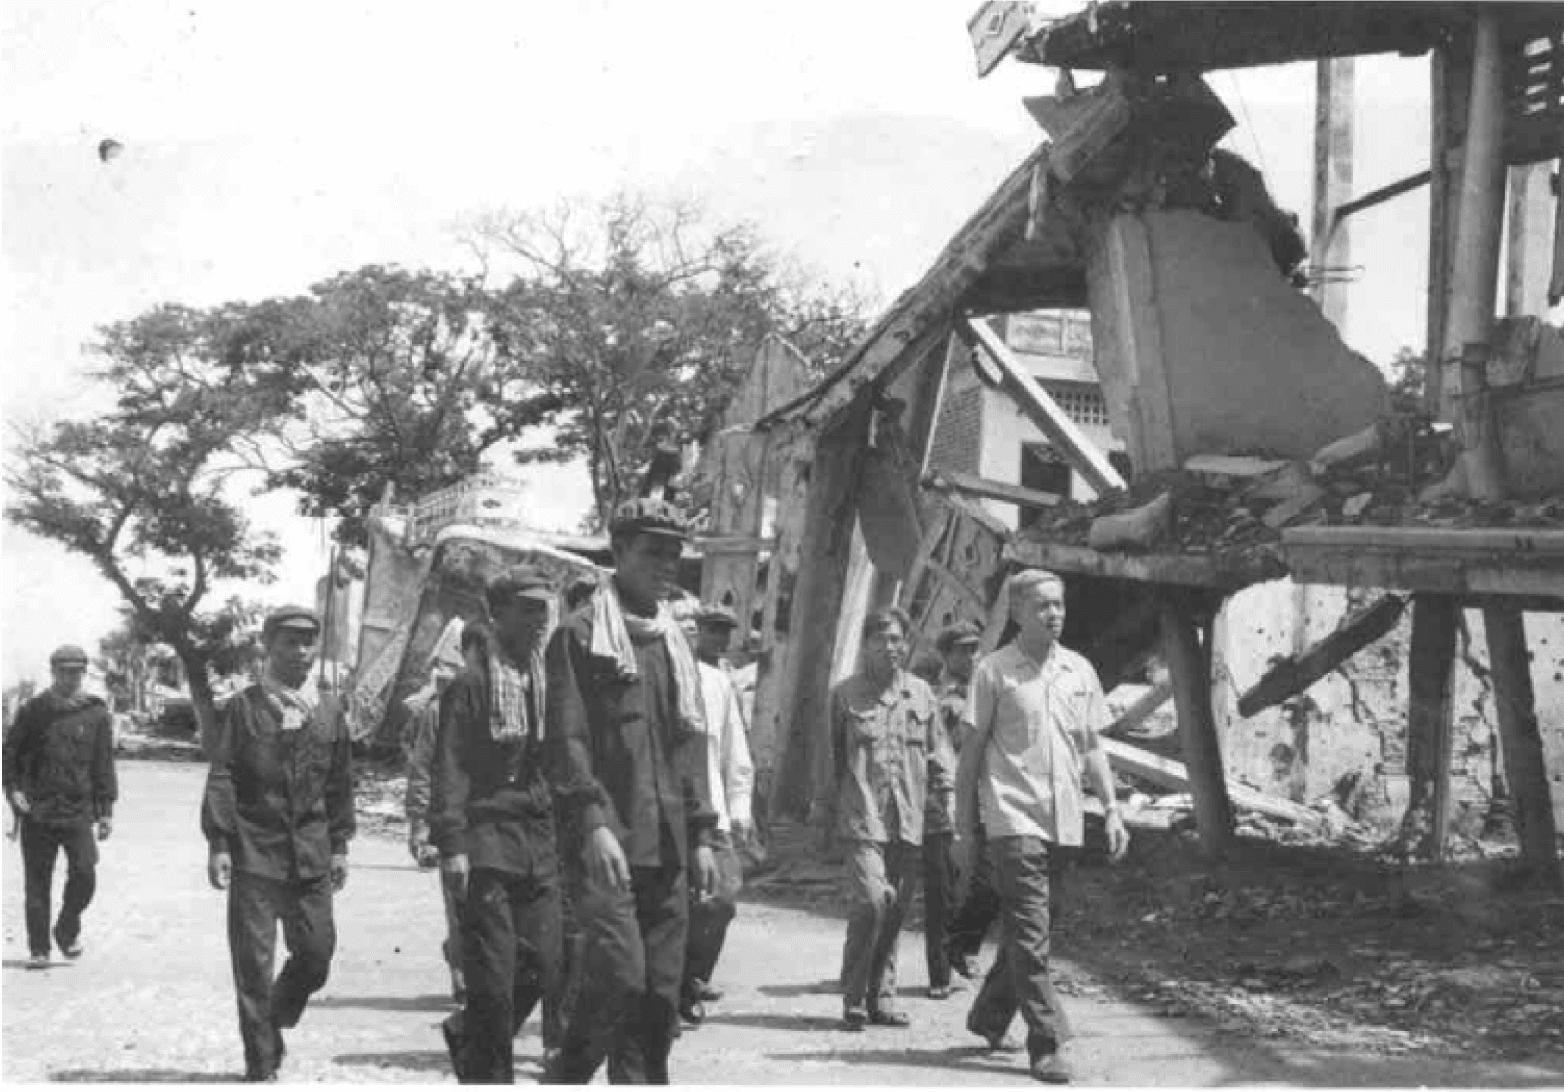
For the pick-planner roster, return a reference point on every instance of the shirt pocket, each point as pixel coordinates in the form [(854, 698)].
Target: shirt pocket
[(865, 728), (1070, 712)]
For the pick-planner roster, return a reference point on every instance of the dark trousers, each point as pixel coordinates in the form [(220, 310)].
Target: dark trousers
[(255, 905), (1023, 869), (452, 897), (632, 964), (512, 943), (710, 918), (979, 907), (40, 845), (939, 893), (880, 881)]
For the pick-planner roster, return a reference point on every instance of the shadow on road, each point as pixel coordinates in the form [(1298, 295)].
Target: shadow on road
[(812, 989), (140, 1076), (775, 1021), (432, 1002), (968, 1058), (419, 1061)]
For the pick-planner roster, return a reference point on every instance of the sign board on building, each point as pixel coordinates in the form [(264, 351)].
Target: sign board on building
[(995, 28), (1050, 333)]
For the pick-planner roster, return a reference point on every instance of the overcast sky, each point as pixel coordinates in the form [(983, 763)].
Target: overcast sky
[(270, 145)]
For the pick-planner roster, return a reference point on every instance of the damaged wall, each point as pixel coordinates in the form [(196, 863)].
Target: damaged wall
[(1203, 348), (1350, 727)]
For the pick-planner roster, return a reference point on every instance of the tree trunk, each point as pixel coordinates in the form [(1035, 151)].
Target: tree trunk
[(202, 702)]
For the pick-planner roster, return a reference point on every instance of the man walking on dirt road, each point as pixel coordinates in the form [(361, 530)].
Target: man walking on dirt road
[(888, 752), (626, 725), (492, 816), (730, 777), (956, 645), (277, 815), (1032, 722), (59, 781)]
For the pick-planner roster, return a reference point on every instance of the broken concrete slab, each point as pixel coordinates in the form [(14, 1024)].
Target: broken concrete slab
[(1203, 347)]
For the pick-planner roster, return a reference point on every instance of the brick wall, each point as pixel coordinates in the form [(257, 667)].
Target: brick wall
[(958, 438)]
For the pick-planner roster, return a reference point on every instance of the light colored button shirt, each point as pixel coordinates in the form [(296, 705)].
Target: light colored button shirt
[(1040, 721), (729, 771)]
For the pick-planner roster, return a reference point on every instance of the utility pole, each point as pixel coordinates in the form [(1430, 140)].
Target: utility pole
[(1330, 252)]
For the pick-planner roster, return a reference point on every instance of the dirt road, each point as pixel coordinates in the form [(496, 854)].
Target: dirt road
[(151, 1000)]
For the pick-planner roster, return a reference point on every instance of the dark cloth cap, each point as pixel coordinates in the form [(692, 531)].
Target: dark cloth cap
[(962, 633), (518, 582), (291, 617), (715, 614), (650, 516), (68, 656)]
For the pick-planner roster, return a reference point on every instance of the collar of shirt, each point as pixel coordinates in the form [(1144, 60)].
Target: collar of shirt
[(894, 690)]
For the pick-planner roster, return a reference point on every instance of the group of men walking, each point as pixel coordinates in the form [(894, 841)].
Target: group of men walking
[(584, 798)]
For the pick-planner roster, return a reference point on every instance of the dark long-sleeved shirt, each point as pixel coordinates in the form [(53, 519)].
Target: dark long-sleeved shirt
[(618, 758), (281, 802), (62, 758), (889, 752), (489, 800)]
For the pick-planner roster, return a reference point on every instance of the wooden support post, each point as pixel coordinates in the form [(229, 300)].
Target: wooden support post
[(1431, 658), (1191, 675), (829, 523), (1525, 766)]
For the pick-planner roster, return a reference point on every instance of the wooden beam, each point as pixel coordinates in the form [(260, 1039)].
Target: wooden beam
[(830, 519), (1172, 774), (1430, 661), (1293, 675), (1191, 676), (1083, 456), (1195, 570), (1522, 543), (1525, 765), (1148, 703), (988, 488)]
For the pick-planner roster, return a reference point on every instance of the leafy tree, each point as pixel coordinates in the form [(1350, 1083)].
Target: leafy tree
[(390, 367), (631, 322), (229, 637), (144, 490)]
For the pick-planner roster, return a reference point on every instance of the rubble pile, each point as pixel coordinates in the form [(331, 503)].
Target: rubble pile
[(1233, 508)]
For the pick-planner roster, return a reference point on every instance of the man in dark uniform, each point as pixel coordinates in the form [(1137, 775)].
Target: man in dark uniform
[(957, 645), (59, 780), (277, 816), (625, 726), (492, 817)]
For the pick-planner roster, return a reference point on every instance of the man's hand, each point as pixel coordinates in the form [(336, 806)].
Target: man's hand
[(19, 802), (425, 854), (1118, 836), (219, 869), (705, 871), (339, 871), (606, 862), (105, 828), (456, 869)]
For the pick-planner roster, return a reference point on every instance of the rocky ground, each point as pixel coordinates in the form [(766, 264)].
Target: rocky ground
[(1284, 967)]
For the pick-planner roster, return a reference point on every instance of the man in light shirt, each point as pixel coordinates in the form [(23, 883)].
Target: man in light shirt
[(731, 776), (1032, 722)]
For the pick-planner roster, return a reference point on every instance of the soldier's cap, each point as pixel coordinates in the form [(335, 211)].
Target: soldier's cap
[(649, 515), (68, 656), (290, 617), (518, 582), (715, 614), (962, 633)]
